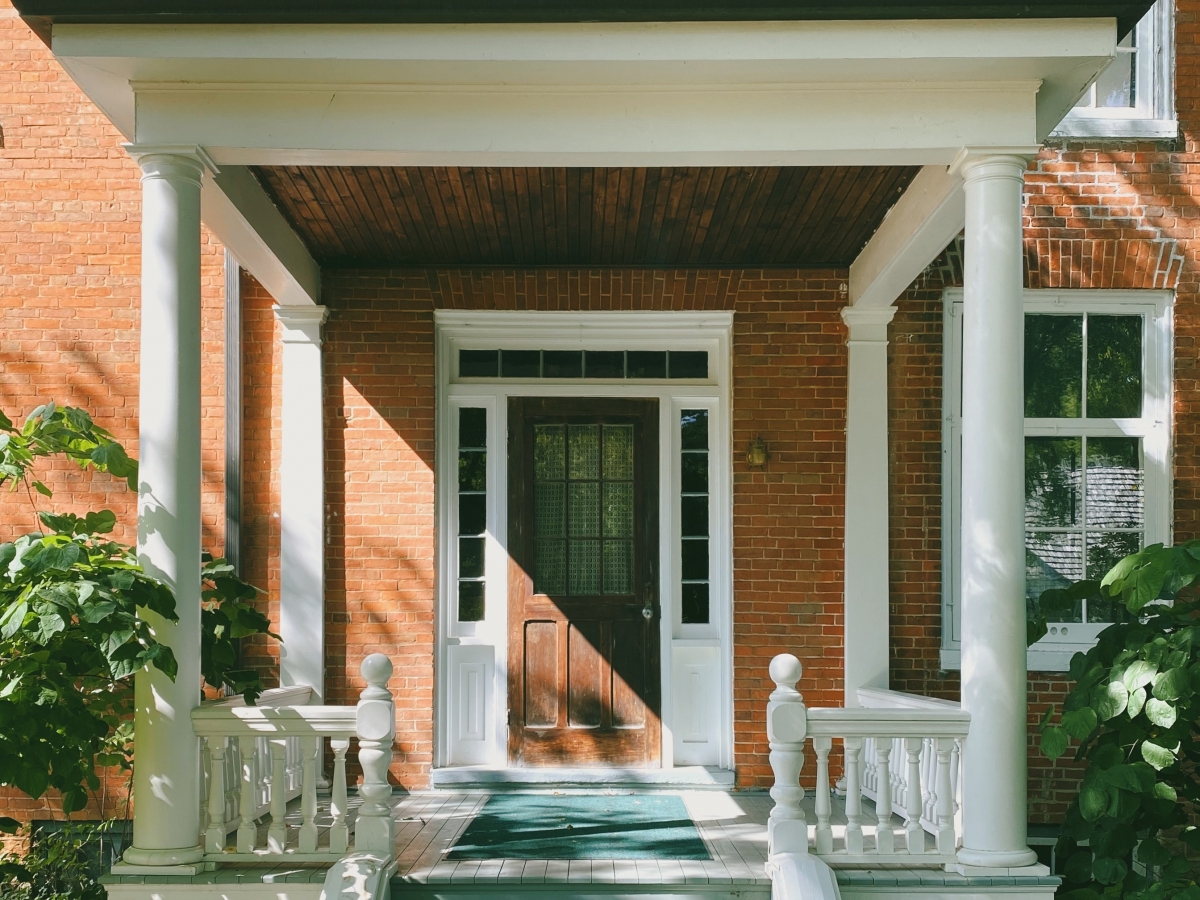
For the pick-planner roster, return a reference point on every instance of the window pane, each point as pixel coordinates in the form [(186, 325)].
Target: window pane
[(562, 363), (618, 510), (1105, 550), (549, 505), (472, 513), (618, 451), (695, 604), (521, 363), (1052, 560), (1114, 367), (693, 516), (583, 451), (550, 567), (688, 364), (470, 601), (583, 509), (472, 427), (694, 424), (1115, 86), (583, 568), (646, 364), (618, 567), (1052, 482), (604, 363), (1116, 495), (1053, 366), (694, 473), (478, 363), (470, 557), (695, 560), (472, 470), (549, 452)]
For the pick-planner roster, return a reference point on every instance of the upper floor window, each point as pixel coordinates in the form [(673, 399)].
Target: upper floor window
[(1135, 96), (1097, 450)]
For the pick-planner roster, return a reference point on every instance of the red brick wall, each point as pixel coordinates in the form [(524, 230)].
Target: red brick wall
[(69, 262)]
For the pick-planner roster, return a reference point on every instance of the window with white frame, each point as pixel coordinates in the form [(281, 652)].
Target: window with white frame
[(1134, 97), (1097, 449)]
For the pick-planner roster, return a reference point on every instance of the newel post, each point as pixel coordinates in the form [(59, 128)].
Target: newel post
[(787, 725), (374, 831)]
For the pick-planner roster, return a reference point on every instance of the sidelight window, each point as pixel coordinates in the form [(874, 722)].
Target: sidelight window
[(694, 556), (472, 512)]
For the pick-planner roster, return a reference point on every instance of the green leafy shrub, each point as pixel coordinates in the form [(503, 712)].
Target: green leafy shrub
[(70, 635), (59, 865), (1133, 710)]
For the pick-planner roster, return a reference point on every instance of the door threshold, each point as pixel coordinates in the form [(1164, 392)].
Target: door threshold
[(583, 778)]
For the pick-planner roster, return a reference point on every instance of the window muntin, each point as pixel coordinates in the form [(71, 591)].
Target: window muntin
[(584, 364), (1135, 96), (694, 555), (472, 512)]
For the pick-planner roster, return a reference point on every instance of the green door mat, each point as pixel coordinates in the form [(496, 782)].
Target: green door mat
[(564, 826)]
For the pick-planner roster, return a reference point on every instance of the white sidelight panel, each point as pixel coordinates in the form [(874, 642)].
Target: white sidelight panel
[(166, 785), (696, 702), (866, 565), (302, 509), (993, 507), (472, 671)]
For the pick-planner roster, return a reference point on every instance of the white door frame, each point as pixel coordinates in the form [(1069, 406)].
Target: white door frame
[(471, 659)]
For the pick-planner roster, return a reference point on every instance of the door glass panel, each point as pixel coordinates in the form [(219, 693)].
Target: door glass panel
[(584, 451), (549, 452), (618, 567), (618, 510), (1053, 366), (618, 452), (1114, 381), (583, 568), (583, 508)]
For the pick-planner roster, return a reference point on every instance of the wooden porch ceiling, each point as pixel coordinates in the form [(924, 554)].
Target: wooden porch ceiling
[(722, 216)]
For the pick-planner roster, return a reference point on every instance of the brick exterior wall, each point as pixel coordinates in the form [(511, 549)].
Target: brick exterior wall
[(70, 255)]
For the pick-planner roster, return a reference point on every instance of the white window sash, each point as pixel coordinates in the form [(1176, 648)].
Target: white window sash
[(1053, 653)]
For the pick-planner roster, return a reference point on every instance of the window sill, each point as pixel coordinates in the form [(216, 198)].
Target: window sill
[(1116, 128), (1051, 658)]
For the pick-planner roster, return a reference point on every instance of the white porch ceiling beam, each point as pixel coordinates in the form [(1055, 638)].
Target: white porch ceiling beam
[(927, 217), (246, 221)]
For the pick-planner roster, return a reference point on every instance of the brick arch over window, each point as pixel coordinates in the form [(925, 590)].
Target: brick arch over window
[(1070, 263)]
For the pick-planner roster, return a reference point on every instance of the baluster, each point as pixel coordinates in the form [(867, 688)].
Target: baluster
[(870, 777), (247, 833), (205, 769), (854, 832), (339, 832), (295, 764), (899, 788), (214, 839), (308, 793), (787, 723), (822, 746), (374, 830), (928, 782), (277, 833), (914, 833), (262, 766), (945, 797), (885, 838)]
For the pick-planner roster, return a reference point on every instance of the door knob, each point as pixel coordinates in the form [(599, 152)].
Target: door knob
[(648, 606)]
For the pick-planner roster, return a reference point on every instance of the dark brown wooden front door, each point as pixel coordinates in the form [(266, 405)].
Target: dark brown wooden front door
[(583, 667)]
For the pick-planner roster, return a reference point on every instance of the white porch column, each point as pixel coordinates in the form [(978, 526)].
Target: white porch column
[(302, 513), (993, 508), (866, 561), (166, 778)]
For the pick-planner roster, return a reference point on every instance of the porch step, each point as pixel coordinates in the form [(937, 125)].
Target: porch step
[(487, 778)]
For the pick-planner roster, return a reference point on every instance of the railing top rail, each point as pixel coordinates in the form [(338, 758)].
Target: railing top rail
[(881, 698), (892, 723), (295, 695), (327, 721)]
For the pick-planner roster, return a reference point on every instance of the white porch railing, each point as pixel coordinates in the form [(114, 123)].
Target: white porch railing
[(252, 750), (898, 736), (876, 698)]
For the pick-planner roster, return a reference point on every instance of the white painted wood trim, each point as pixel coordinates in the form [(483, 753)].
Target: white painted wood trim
[(506, 329)]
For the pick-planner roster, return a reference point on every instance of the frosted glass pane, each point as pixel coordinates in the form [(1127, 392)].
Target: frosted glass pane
[(548, 510), (618, 567), (549, 452), (618, 452), (550, 567), (618, 510), (583, 504), (584, 455), (584, 567)]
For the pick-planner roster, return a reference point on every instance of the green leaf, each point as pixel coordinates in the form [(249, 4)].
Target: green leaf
[(1171, 685), (1054, 742), (1164, 791), (1093, 802), (1158, 756), (1128, 778), (1080, 723), (1137, 700), (1111, 700), (13, 619), (11, 686), (1140, 673), (7, 825), (1152, 853), (42, 489), (1161, 713), (1109, 871)]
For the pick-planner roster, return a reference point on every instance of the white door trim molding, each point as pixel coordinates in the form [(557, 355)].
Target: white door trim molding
[(465, 650)]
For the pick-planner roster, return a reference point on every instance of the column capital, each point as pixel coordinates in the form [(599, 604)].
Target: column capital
[(302, 324), (186, 158), (868, 323), (973, 163)]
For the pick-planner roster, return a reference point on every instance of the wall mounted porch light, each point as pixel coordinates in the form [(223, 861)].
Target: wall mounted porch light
[(756, 454)]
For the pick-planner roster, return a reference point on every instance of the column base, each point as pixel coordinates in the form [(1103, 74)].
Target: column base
[(999, 862), (182, 861)]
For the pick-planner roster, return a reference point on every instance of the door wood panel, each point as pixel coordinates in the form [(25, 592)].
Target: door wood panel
[(584, 679)]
